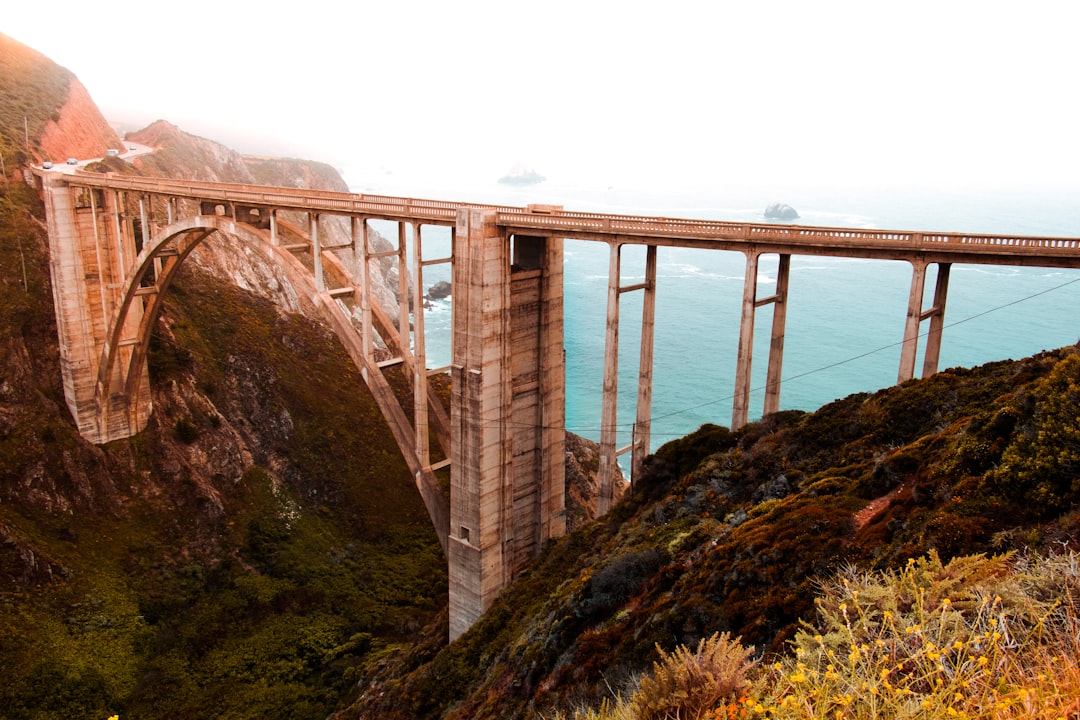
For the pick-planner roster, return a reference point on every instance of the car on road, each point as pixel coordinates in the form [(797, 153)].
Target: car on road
[(72, 161)]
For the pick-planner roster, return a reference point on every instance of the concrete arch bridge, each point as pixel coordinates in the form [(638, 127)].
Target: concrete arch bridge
[(117, 242)]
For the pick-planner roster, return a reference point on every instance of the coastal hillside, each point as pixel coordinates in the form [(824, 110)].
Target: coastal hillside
[(261, 542), (260, 550), (45, 112), (246, 553), (738, 532)]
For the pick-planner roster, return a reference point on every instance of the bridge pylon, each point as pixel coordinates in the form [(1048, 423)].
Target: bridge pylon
[(507, 493)]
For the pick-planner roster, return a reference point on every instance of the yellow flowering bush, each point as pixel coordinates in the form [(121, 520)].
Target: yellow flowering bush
[(976, 638)]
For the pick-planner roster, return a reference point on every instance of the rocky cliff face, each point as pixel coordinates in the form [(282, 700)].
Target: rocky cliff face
[(80, 131), (182, 155)]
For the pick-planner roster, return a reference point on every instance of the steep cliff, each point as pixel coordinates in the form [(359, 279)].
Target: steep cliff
[(182, 155), (80, 131)]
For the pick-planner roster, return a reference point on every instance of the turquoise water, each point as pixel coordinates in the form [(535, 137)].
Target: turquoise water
[(845, 316)]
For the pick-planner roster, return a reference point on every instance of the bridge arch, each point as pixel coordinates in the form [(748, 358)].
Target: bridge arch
[(158, 263)]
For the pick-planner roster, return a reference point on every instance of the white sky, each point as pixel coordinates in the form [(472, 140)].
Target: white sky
[(665, 93)]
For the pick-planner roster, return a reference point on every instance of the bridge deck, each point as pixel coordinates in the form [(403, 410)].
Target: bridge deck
[(932, 246)]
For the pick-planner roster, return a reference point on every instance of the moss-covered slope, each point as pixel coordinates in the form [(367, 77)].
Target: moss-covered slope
[(733, 532), (257, 543)]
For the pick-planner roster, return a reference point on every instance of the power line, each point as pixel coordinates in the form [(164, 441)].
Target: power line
[(860, 356), (579, 429)]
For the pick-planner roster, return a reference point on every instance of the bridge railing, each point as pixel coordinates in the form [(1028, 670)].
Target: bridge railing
[(597, 225)]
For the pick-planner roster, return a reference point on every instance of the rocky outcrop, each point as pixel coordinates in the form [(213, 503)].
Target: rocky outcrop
[(182, 155), (582, 486), (439, 291), (781, 211), (80, 131), (287, 172)]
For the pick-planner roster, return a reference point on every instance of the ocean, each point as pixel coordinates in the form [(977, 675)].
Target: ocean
[(845, 316)]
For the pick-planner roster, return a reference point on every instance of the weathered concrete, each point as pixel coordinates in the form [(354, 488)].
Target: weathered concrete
[(507, 484), (90, 248)]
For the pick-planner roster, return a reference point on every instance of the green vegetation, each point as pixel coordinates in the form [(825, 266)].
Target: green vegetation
[(247, 555), (735, 532), (32, 91)]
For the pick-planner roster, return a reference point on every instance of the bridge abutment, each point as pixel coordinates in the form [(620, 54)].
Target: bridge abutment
[(90, 249)]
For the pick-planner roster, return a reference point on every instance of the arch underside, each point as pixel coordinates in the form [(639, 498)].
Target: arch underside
[(122, 378)]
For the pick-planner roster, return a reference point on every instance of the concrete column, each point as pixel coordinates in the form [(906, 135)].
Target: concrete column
[(84, 260), (552, 383), (910, 347), (362, 250), (99, 256), (316, 253), (740, 412), (144, 223), (609, 415), (420, 383), (643, 423), (480, 445), (776, 347), (403, 286), (118, 226), (937, 320)]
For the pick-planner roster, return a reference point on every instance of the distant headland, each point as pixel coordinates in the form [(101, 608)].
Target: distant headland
[(520, 175)]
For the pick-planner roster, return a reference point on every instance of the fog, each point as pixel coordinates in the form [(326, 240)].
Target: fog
[(672, 94)]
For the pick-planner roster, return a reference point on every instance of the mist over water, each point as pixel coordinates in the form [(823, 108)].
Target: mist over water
[(845, 316)]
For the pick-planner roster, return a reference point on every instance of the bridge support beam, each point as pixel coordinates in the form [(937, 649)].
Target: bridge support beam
[(915, 315), (609, 417), (740, 413), (90, 248), (507, 481)]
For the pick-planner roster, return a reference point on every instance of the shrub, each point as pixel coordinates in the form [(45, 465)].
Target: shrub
[(690, 685), (973, 638)]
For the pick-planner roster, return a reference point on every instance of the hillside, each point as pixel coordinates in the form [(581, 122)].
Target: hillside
[(261, 541), (45, 112), (736, 532), (245, 553), (260, 551)]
